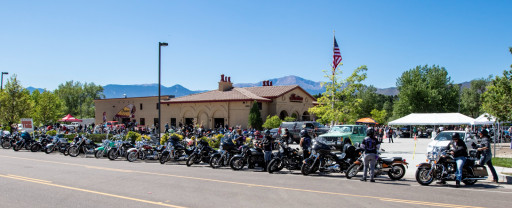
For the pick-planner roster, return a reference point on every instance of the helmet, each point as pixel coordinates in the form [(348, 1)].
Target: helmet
[(267, 133), (303, 133), (257, 133), (455, 136), (485, 132), (370, 132)]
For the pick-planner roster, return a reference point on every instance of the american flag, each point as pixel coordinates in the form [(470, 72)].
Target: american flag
[(337, 55)]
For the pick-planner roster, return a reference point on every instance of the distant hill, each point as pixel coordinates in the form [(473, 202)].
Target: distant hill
[(118, 91), (312, 87)]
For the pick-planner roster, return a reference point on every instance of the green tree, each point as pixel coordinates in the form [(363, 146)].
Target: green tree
[(345, 105), (426, 89), (255, 116), (470, 101), (370, 100), (497, 100), (272, 122), (48, 110), (379, 116), (79, 98), (15, 102)]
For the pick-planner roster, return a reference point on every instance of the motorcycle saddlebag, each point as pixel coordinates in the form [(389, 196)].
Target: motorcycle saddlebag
[(480, 171)]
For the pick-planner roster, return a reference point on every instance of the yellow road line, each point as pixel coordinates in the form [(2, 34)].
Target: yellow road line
[(257, 185), (33, 180)]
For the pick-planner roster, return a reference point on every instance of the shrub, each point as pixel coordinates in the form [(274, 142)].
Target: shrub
[(272, 122), (164, 138), (133, 136), (51, 133), (289, 119)]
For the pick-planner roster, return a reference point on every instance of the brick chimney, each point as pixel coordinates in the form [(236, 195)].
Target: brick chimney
[(225, 83), (270, 83)]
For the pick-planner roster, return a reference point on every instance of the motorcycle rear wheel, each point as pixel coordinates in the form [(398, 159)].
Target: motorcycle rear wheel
[(237, 163), (215, 161), (352, 170), (397, 172), (275, 165), (307, 168), (422, 177), (16, 147), (35, 148), (112, 155), (469, 182)]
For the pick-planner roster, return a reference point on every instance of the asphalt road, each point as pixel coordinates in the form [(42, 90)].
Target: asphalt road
[(39, 180)]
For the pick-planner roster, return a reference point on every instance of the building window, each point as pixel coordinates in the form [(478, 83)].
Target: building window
[(260, 105), (173, 122), (142, 122), (140, 106)]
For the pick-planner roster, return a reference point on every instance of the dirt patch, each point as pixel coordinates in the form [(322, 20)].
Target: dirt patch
[(502, 150)]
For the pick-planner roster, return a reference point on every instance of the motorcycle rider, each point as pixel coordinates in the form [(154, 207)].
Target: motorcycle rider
[(486, 154), (305, 143), (459, 150), (369, 145), (286, 136)]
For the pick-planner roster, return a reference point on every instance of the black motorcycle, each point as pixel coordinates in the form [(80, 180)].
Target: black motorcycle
[(323, 159), (84, 145), (441, 166), (41, 144), (24, 143), (9, 141), (226, 151), (251, 156), (287, 157), (201, 153)]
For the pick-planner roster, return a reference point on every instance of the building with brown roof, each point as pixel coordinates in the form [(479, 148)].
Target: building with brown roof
[(226, 105)]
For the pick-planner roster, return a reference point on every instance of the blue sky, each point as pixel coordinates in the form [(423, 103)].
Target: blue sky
[(116, 42)]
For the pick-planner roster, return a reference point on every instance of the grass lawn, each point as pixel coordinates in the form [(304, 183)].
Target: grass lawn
[(502, 162)]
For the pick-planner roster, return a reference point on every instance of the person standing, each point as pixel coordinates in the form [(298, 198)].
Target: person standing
[(459, 150), (287, 137), (390, 135), (369, 146), (166, 127), (305, 143), (267, 144), (486, 153)]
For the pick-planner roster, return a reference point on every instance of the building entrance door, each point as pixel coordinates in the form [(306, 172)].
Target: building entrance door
[(218, 122)]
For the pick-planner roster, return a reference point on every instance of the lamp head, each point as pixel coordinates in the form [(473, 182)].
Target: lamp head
[(5, 72), (163, 44)]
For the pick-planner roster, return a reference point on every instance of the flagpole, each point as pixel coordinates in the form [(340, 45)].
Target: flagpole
[(333, 72)]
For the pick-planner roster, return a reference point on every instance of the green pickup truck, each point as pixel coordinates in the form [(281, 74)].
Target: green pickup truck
[(337, 136)]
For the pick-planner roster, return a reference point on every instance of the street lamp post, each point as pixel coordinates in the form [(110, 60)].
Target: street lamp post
[(2, 82), (160, 44)]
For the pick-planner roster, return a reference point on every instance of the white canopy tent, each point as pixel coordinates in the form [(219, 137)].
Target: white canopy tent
[(433, 119), (485, 119)]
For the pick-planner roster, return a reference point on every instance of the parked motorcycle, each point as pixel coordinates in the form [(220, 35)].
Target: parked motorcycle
[(119, 150), (201, 153), (287, 157), (41, 144), (323, 158), (249, 156), (9, 141), (174, 150), (441, 166), (143, 151), (84, 145), (227, 150), (60, 144), (102, 150), (394, 167), (24, 141)]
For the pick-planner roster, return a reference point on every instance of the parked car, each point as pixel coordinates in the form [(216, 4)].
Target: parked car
[(445, 137), (295, 127), (339, 135)]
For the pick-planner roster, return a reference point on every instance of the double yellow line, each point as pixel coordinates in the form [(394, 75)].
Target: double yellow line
[(252, 185), (49, 183)]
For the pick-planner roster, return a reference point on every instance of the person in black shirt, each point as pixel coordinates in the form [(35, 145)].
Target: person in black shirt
[(459, 150), (305, 143), (267, 144), (370, 145), (486, 154)]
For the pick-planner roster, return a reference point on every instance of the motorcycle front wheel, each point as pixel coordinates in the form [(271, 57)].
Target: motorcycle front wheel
[(16, 147), (49, 150), (215, 161), (423, 178), (307, 168), (191, 160), (237, 163), (275, 165), (352, 170), (397, 172), (74, 151), (112, 154), (132, 156), (98, 154), (35, 148), (163, 159), (6, 144)]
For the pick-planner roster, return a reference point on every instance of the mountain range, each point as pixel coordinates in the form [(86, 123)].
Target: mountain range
[(312, 87)]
